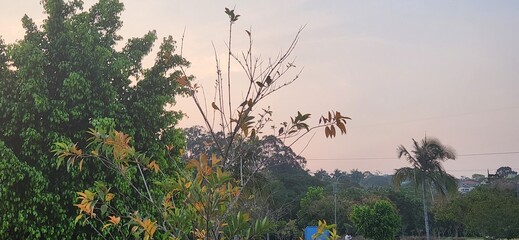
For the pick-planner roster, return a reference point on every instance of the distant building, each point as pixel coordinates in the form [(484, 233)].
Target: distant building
[(466, 185)]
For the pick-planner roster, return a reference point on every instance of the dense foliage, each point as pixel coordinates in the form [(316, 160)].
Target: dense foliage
[(62, 77), (198, 201), (378, 220), (481, 212), (23, 195)]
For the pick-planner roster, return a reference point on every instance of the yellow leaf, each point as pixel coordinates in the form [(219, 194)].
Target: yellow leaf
[(106, 225), (214, 159), (203, 160), (109, 197), (78, 217), (90, 195), (199, 206), (81, 165)]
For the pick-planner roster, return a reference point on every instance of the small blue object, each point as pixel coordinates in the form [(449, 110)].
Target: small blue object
[(311, 230)]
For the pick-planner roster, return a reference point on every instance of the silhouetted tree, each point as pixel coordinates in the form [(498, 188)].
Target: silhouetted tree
[(427, 170)]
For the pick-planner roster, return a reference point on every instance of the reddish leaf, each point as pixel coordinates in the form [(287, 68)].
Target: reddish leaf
[(183, 81), (327, 132)]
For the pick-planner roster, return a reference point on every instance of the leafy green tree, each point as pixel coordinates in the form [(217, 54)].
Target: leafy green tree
[(378, 220), (449, 216), (409, 207), (314, 206), (23, 195), (427, 170), (67, 74), (287, 185), (490, 212)]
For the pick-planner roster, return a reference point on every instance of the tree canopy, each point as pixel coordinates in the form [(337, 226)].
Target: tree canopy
[(67, 75), (378, 220)]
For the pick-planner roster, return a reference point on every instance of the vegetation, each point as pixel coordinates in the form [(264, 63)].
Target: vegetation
[(378, 220), (66, 75), (194, 202), (427, 170), (88, 149), (481, 212)]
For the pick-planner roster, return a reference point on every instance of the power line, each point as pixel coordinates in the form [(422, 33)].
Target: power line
[(437, 117), (393, 158), (487, 154)]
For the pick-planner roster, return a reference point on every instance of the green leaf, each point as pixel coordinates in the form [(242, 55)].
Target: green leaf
[(104, 208)]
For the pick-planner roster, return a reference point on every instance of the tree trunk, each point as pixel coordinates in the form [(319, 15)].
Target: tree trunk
[(425, 215)]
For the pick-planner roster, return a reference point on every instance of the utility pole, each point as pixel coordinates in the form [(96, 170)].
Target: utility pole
[(335, 198)]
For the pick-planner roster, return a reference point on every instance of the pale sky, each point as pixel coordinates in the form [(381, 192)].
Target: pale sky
[(399, 69)]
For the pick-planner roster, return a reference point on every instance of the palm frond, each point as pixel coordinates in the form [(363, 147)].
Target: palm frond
[(406, 174), (403, 152), (445, 184)]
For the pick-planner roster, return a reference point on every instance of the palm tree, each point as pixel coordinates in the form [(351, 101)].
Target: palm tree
[(426, 170)]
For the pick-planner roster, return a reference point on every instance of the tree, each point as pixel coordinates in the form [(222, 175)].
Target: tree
[(427, 170), (449, 216), (376, 181), (408, 206), (483, 212), (315, 206), (378, 220), (236, 122), (258, 153), (68, 74), (504, 172), (478, 177), (287, 185), (322, 175), (23, 195), (490, 212), (235, 126), (356, 176)]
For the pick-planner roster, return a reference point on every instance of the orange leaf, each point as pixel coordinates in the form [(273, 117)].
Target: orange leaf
[(153, 165), (114, 220)]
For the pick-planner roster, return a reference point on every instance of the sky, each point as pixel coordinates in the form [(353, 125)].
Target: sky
[(399, 69)]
